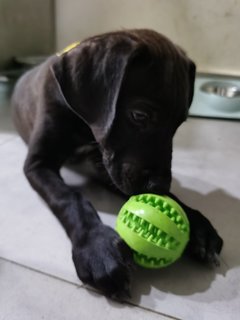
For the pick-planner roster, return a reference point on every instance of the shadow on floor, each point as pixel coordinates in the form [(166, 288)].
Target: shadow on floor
[(187, 277)]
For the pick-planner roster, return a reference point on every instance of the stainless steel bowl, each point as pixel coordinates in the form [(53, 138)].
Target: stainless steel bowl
[(222, 89), (220, 95)]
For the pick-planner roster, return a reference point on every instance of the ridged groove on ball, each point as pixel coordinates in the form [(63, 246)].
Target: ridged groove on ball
[(143, 260), (147, 230), (159, 203)]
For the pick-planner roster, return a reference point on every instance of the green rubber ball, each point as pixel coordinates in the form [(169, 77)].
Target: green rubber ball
[(155, 227)]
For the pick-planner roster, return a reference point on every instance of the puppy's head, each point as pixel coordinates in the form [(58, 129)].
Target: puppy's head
[(133, 89)]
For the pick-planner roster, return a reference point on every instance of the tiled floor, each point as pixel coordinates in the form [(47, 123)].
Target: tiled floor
[(37, 277)]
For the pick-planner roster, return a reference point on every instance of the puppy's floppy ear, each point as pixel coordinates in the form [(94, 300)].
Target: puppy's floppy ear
[(191, 73), (90, 76)]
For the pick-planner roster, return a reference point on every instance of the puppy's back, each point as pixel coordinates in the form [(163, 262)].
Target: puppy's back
[(27, 98)]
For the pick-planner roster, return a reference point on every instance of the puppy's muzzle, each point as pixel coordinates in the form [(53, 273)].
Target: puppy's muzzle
[(135, 180)]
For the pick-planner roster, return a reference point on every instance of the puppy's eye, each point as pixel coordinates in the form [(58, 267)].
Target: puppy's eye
[(140, 117)]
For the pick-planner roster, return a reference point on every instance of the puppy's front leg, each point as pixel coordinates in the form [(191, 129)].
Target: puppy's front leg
[(100, 256)]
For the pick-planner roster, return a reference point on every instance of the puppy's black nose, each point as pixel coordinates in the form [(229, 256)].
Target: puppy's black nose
[(159, 184)]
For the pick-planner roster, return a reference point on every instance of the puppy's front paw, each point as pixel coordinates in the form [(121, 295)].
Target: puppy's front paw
[(205, 244), (104, 261)]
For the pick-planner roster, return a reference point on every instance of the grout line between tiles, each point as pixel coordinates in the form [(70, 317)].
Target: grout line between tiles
[(83, 286), (153, 311), (41, 272), (86, 287)]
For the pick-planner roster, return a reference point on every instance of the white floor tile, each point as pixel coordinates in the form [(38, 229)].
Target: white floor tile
[(6, 137), (29, 295), (29, 232)]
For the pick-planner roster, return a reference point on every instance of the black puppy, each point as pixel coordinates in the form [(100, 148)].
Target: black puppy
[(122, 95)]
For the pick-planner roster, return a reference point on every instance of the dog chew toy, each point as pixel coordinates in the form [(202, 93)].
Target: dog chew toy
[(155, 227)]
